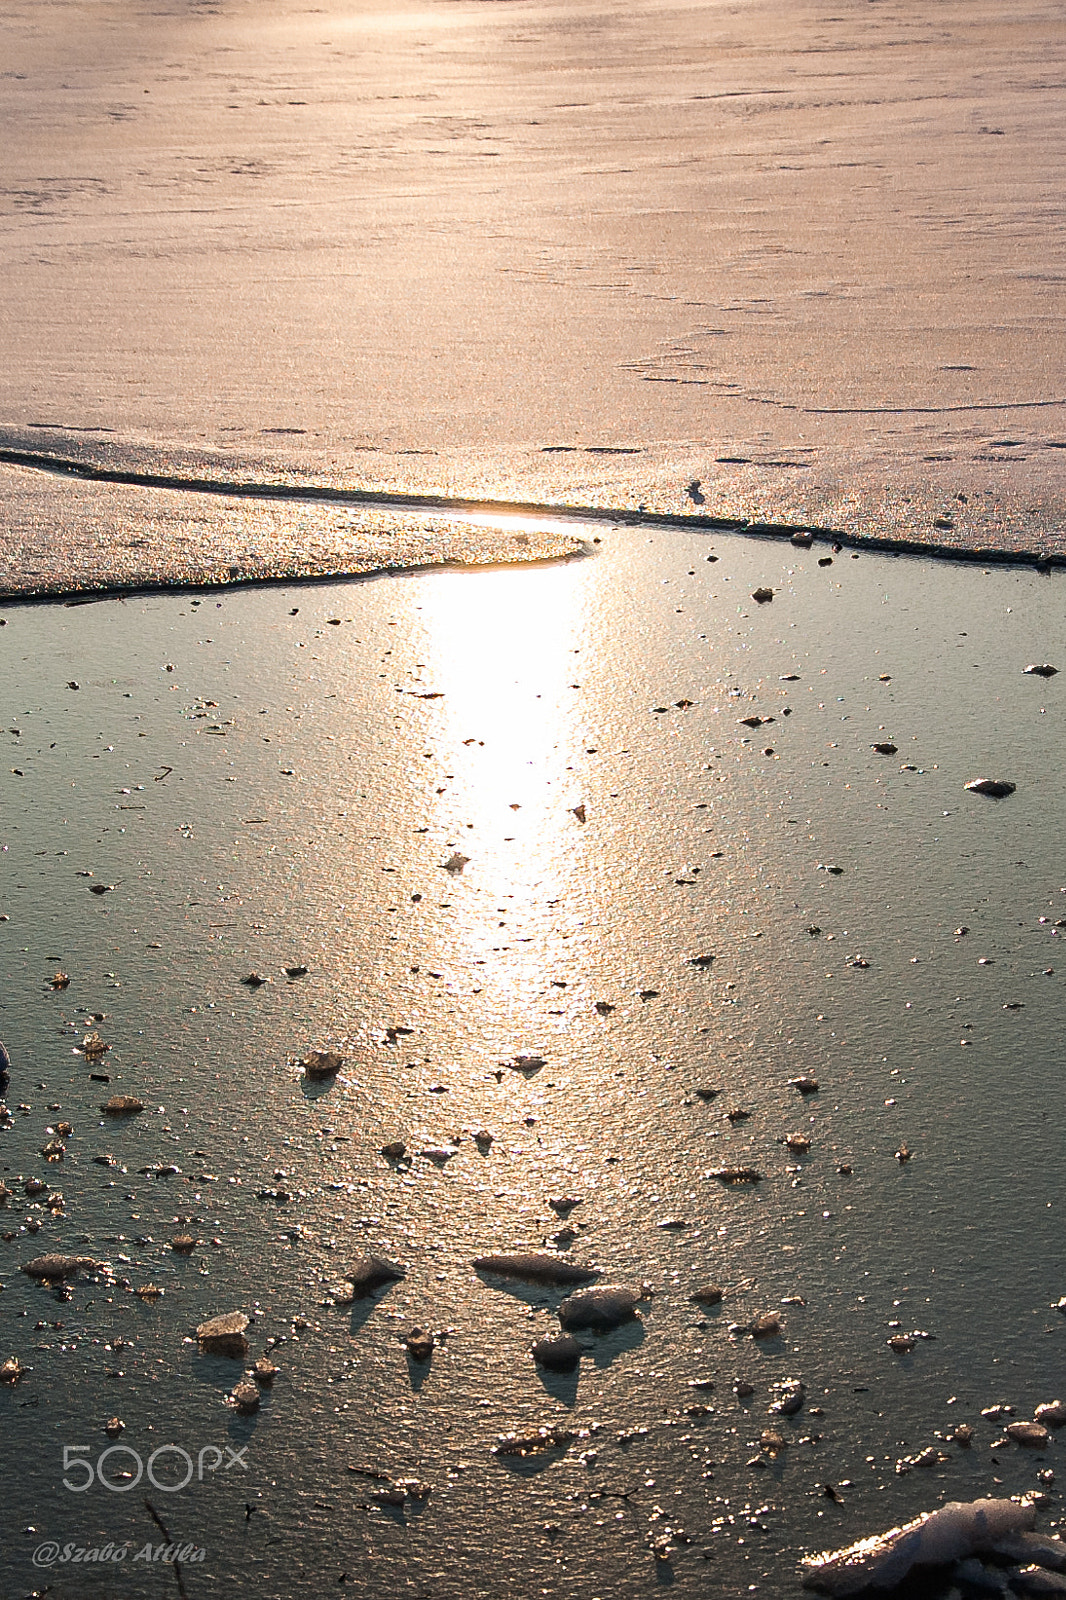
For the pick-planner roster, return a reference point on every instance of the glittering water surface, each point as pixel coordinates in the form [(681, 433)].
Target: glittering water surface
[(498, 815)]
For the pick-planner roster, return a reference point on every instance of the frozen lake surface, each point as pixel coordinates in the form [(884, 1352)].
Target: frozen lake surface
[(384, 781), (810, 256), (580, 865)]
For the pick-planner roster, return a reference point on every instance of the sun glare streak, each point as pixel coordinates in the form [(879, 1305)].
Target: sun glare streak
[(503, 649)]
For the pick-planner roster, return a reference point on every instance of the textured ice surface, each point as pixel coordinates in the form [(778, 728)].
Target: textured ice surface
[(692, 256), (272, 780)]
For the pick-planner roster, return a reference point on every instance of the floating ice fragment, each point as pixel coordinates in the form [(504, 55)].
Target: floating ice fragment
[(533, 1444), (559, 1352), (419, 1344), (525, 1062), (600, 1309), (224, 1335), (883, 1560), (368, 1273), (439, 1153), (321, 1063), (709, 1295), (531, 1267), (995, 788), (123, 1105), (1028, 1433), (790, 1397), (53, 1268), (245, 1398), (929, 1457), (767, 1325)]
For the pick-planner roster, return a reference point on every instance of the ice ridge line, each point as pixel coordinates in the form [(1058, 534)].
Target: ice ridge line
[(894, 544), (325, 493)]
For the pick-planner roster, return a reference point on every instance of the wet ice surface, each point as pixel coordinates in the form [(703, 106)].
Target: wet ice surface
[(278, 779)]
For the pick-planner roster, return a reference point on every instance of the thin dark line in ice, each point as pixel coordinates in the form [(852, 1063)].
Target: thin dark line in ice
[(324, 493), (854, 411), (900, 411), (437, 505)]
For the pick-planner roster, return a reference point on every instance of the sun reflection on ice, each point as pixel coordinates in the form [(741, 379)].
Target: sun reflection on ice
[(504, 650)]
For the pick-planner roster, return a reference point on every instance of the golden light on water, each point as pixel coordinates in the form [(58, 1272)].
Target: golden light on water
[(505, 649)]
